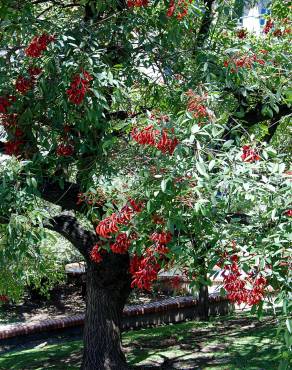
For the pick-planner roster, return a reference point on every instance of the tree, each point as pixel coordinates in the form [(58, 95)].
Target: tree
[(89, 89)]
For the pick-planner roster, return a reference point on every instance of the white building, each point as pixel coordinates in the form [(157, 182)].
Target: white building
[(253, 18)]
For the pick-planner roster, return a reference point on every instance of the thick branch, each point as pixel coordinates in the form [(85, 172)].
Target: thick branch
[(70, 228), (255, 115), (206, 24), (65, 196)]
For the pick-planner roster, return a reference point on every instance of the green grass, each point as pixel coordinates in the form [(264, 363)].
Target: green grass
[(229, 343)]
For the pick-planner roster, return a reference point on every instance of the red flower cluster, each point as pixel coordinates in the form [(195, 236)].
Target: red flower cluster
[(65, 150), (249, 155), (268, 26), (23, 85), (121, 244), (241, 34), (38, 45), (159, 118), (137, 3), (13, 147), (149, 136), (181, 7), (236, 287), (6, 102), (110, 224), (195, 105), (288, 213), (95, 254), (8, 120), (79, 87), (34, 71), (161, 238), (144, 270), (90, 198), (243, 62), (4, 298)]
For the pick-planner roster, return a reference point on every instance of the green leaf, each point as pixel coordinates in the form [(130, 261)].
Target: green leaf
[(289, 325), (202, 169)]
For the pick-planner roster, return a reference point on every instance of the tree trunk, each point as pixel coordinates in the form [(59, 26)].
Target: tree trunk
[(108, 287), (204, 302)]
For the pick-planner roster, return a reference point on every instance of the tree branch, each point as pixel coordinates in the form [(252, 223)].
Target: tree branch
[(69, 227), (206, 24)]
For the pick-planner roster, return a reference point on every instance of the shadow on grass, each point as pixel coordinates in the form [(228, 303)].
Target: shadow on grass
[(233, 344)]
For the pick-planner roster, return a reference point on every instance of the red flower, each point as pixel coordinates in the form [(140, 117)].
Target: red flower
[(236, 288), (38, 45), (161, 238), (288, 213), (6, 102), (65, 150), (95, 254), (18, 132), (195, 104), (241, 34), (79, 87), (8, 120), (149, 136), (137, 3), (144, 271), (278, 33), (23, 85), (165, 144), (181, 7), (13, 147), (4, 298), (226, 63), (269, 25), (34, 71), (121, 244), (249, 155), (110, 224)]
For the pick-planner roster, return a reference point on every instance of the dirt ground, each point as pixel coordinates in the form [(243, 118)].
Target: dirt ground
[(65, 300)]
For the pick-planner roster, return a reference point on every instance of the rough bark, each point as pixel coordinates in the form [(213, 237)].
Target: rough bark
[(204, 302), (69, 227), (205, 25), (108, 287)]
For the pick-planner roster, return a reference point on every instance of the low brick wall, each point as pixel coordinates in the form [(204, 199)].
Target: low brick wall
[(166, 311)]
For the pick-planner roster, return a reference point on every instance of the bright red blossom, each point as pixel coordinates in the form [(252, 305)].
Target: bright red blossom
[(249, 154), (268, 26), (110, 224), (241, 34), (196, 106), (38, 45), (288, 213), (23, 85), (236, 288), (13, 147), (149, 136), (178, 8), (4, 298), (65, 150), (6, 102), (121, 244), (79, 87), (95, 254), (137, 3), (34, 71)]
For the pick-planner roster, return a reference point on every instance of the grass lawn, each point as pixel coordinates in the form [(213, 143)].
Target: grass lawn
[(235, 342)]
